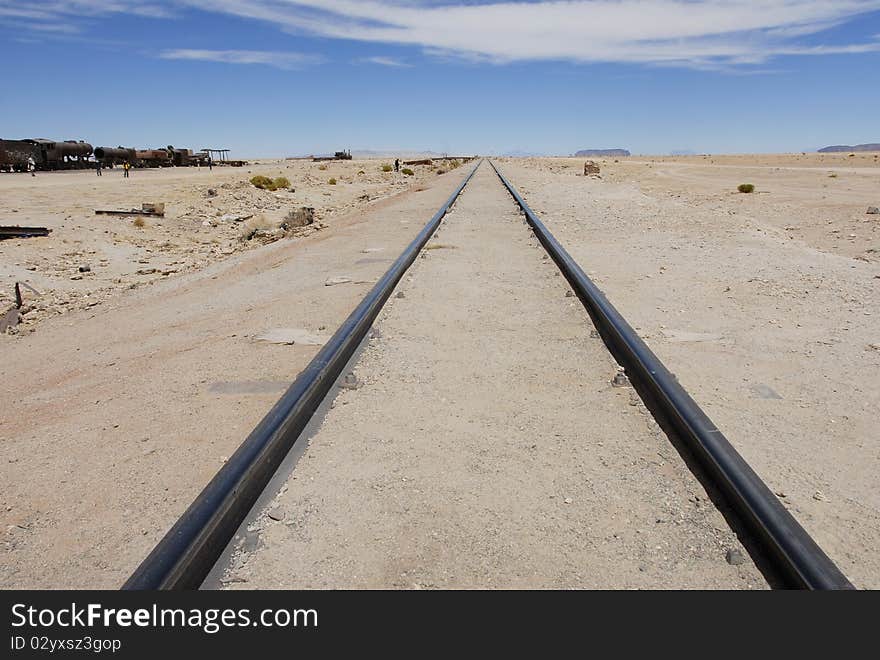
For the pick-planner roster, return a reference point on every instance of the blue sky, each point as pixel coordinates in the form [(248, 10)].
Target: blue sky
[(289, 77)]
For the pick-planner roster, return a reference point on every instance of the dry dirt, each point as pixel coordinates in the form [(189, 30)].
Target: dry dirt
[(113, 418), (114, 415), (209, 215), (486, 446), (765, 305)]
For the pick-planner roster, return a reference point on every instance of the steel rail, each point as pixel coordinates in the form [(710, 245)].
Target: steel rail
[(185, 556), (796, 556)]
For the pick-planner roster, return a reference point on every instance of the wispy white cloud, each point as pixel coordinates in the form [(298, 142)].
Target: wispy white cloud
[(705, 34), (699, 33), (383, 60), (280, 60), (68, 15)]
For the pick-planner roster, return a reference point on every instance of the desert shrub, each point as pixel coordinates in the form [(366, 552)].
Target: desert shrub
[(455, 163), (322, 167), (387, 168), (361, 172), (746, 188), (441, 171), (332, 182), (833, 175), (407, 171), (139, 223), (265, 183)]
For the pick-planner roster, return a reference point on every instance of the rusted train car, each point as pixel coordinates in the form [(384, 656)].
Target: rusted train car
[(152, 158), (110, 156), (43, 154), (17, 156), (66, 155)]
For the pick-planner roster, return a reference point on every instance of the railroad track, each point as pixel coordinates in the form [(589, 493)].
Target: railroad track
[(189, 551)]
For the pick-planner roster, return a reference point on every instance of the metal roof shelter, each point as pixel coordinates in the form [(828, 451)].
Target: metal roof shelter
[(221, 154)]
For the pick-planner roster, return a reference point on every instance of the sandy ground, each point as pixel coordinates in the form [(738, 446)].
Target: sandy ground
[(209, 215), (114, 415), (766, 307), (517, 464), (112, 419)]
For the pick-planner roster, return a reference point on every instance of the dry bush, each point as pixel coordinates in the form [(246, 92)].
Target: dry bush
[(140, 223), (266, 183), (323, 168), (332, 182), (407, 171), (387, 168), (746, 188)]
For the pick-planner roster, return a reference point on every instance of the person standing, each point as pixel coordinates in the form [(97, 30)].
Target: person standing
[(397, 164), (99, 168), (125, 167)]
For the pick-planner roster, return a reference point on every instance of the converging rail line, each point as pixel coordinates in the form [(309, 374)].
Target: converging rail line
[(187, 553)]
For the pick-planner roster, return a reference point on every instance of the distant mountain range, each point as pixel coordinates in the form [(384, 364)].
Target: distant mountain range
[(601, 152), (837, 148)]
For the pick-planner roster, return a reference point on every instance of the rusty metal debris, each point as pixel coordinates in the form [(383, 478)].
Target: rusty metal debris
[(153, 210), (12, 316), (7, 231)]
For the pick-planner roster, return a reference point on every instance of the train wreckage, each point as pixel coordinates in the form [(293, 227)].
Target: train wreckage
[(40, 154)]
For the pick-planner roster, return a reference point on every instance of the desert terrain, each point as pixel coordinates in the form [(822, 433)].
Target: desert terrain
[(148, 353)]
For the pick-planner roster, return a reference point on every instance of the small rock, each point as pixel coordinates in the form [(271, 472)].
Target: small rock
[(569, 294), (350, 382), (620, 380), (211, 192), (85, 269), (400, 294), (873, 210), (594, 334), (819, 496), (276, 513), (567, 500), (735, 557), (337, 280)]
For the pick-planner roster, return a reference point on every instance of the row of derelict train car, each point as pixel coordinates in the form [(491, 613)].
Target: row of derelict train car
[(46, 155)]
